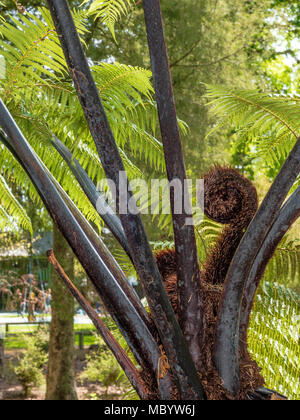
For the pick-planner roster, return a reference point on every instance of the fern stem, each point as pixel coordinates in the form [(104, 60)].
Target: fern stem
[(165, 319), (140, 340), (95, 197), (98, 244), (288, 214), (227, 334), (190, 306), (121, 356)]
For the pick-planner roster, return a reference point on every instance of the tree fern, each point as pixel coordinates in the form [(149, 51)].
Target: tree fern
[(270, 122), (110, 11), (43, 101)]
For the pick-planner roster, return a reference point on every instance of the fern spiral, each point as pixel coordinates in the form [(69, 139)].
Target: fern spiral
[(229, 198)]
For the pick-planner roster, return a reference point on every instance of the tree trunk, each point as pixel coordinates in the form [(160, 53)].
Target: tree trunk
[(61, 365)]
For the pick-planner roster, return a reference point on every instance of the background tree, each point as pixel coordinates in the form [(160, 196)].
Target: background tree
[(61, 365)]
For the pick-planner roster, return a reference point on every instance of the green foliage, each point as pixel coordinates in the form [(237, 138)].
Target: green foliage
[(2, 67), (11, 208), (110, 11), (30, 369), (102, 367), (271, 123), (284, 265), (2, 19), (43, 101), (274, 337), (33, 44)]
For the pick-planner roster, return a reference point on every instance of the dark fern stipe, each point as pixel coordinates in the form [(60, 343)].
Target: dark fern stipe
[(230, 199)]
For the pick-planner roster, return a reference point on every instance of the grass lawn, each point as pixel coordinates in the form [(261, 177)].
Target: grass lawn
[(17, 340)]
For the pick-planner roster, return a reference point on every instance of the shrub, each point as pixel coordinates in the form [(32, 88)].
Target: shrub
[(102, 367), (30, 368)]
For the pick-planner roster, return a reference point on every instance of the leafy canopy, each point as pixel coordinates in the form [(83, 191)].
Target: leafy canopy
[(41, 97), (110, 11)]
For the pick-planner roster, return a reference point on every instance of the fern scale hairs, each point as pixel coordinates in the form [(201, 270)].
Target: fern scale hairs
[(231, 199)]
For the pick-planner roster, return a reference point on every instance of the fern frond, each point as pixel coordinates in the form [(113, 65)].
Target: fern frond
[(12, 207), (15, 174), (5, 220), (2, 18), (2, 67), (44, 102), (269, 121), (284, 266), (32, 51), (274, 336), (111, 79), (110, 11), (125, 92)]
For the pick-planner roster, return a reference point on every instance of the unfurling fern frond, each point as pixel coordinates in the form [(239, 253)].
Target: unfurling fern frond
[(110, 11), (12, 207), (270, 122)]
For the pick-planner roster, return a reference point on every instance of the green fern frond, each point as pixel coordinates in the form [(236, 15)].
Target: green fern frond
[(45, 102), (12, 207), (110, 11), (111, 79), (125, 94), (15, 174), (32, 51), (284, 267), (2, 67), (2, 18), (274, 336), (5, 220), (270, 122)]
